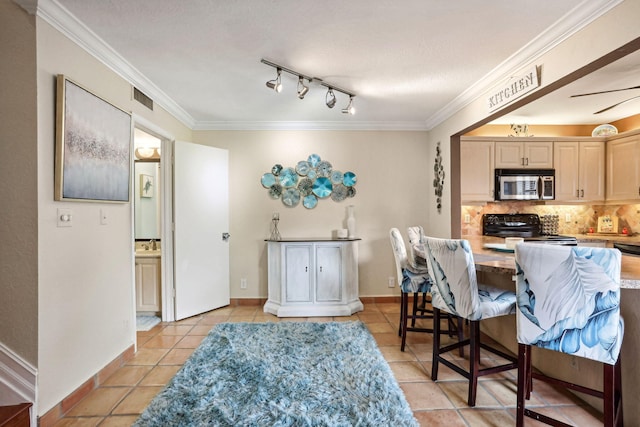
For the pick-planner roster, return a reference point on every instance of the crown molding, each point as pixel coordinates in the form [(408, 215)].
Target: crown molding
[(565, 27), (304, 125), (62, 20)]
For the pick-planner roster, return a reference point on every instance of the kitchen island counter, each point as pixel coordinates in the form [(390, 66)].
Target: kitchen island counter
[(491, 261)]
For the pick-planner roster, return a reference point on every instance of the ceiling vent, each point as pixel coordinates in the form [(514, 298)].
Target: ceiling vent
[(142, 98)]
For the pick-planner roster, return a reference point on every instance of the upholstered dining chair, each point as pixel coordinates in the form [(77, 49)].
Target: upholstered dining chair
[(411, 281), (568, 300), (455, 290), (418, 262)]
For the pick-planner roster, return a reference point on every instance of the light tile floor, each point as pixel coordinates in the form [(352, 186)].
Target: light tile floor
[(163, 350)]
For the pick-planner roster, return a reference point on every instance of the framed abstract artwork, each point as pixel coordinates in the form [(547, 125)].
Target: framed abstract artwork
[(146, 185), (93, 146)]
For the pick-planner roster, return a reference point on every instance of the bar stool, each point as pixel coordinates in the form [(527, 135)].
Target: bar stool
[(418, 262), (411, 281), (569, 301), (455, 290)]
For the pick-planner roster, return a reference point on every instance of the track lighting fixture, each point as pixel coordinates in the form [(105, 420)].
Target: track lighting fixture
[(349, 109), (302, 89), (276, 83), (330, 98)]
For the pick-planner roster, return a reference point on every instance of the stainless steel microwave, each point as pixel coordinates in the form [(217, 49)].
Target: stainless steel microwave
[(525, 184)]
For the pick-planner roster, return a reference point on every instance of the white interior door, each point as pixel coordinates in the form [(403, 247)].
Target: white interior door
[(201, 217)]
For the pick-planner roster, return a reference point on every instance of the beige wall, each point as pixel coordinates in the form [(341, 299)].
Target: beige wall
[(18, 175), (85, 292), (393, 189)]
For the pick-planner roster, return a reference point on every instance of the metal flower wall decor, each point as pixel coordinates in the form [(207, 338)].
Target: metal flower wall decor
[(438, 180), (308, 181)]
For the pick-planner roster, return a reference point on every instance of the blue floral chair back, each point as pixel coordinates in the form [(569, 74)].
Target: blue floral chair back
[(455, 288), (415, 234), (410, 279), (569, 300)]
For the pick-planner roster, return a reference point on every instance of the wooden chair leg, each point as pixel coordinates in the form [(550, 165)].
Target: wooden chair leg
[(401, 314), (474, 361), (436, 344), (461, 335), (524, 377), (612, 395), (403, 321), (415, 309)]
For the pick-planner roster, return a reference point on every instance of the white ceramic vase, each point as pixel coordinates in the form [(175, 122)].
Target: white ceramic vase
[(351, 221)]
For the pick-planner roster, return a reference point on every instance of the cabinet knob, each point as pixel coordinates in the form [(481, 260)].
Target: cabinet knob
[(306, 269), (582, 193), (320, 269)]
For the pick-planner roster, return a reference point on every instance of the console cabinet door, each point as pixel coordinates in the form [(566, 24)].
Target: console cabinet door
[(298, 285), (328, 273)]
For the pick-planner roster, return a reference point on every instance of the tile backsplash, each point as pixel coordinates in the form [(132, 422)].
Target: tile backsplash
[(581, 217)]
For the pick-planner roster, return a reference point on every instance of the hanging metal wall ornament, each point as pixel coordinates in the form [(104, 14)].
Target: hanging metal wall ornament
[(438, 180), (308, 182)]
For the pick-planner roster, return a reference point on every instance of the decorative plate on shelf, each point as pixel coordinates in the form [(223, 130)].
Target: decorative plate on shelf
[(605, 130)]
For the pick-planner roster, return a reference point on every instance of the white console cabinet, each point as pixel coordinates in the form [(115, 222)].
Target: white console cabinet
[(313, 277)]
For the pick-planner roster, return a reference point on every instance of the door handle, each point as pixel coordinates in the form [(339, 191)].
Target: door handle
[(582, 193), (225, 237)]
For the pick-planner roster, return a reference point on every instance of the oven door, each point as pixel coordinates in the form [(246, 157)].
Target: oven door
[(518, 187)]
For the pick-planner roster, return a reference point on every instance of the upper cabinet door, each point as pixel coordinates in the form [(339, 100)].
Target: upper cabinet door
[(623, 168), (521, 154), (476, 170), (592, 176)]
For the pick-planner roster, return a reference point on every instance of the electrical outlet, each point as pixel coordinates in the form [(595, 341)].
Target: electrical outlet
[(467, 218), (392, 282), (243, 283), (567, 218)]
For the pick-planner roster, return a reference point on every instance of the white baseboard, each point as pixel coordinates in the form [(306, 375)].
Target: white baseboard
[(17, 379)]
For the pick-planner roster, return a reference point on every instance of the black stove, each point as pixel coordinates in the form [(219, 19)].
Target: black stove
[(527, 226)]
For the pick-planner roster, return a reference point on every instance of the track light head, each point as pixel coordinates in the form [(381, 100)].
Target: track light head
[(349, 109), (276, 84), (330, 98), (302, 89)]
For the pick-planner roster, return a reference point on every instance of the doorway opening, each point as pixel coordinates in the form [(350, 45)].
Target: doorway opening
[(148, 194)]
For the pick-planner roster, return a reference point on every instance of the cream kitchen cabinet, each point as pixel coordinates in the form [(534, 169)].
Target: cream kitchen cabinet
[(477, 170), (148, 284), (524, 154), (623, 168), (580, 173), (313, 277)]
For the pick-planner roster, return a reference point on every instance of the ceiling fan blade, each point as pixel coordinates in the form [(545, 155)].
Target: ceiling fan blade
[(605, 91), (615, 105)]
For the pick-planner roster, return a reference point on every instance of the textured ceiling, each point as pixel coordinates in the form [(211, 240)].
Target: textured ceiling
[(410, 63)]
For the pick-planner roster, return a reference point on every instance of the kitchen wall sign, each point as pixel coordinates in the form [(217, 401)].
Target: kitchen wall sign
[(309, 181), (515, 88)]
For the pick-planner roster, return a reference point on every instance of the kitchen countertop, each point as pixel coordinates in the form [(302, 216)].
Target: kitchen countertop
[(504, 262)]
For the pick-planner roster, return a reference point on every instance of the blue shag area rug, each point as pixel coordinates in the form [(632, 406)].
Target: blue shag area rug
[(283, 374)]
